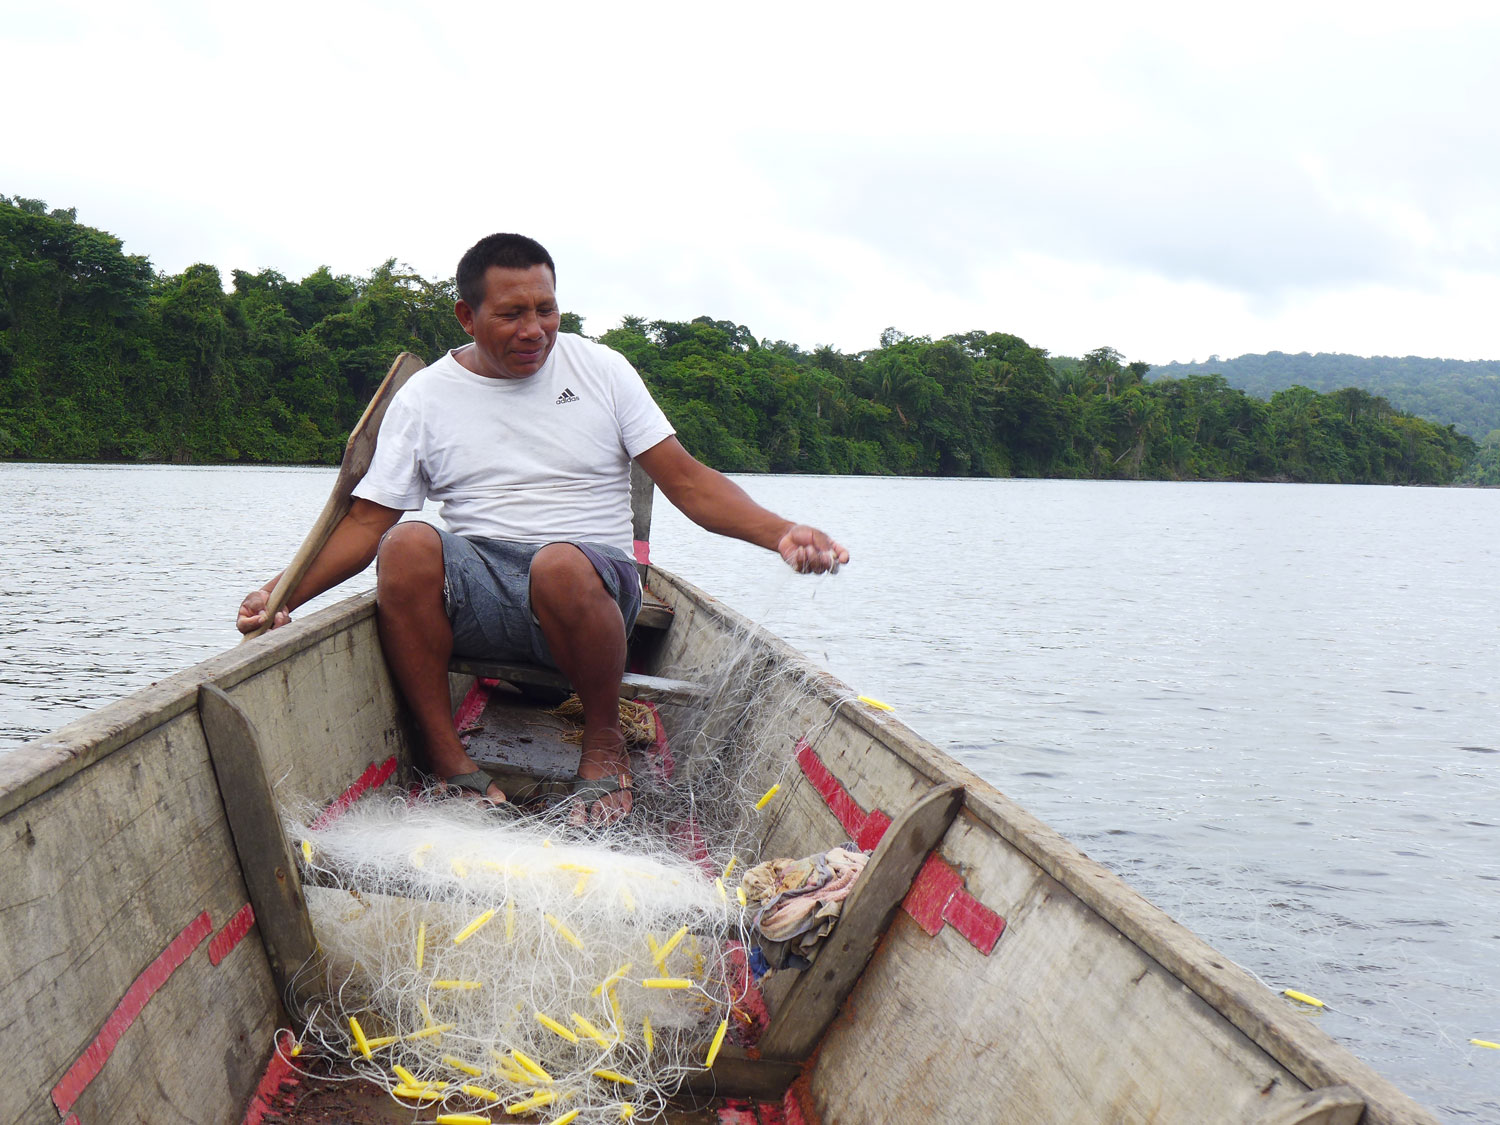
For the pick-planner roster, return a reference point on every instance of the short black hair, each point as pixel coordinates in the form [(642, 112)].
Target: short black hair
[(509, 252)]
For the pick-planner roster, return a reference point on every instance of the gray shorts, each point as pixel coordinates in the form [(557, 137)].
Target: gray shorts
[(487, 594)]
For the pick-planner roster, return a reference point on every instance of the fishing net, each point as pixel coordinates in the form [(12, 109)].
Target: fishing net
[(477, 964), (472, 963)]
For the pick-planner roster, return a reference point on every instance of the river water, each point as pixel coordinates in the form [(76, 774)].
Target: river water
[(1272, 708)]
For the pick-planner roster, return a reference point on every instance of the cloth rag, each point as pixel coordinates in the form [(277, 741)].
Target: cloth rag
[(797, 901)]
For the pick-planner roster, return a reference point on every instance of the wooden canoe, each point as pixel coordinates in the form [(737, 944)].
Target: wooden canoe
[(984, 970)]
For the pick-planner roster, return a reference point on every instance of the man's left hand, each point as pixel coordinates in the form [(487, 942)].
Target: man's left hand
[(809, 551)]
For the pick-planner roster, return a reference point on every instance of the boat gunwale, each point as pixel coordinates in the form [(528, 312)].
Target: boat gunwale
[(42, 764), (1247, 1003)]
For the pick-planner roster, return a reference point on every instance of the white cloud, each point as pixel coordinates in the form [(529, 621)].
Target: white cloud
[(1171, 179)]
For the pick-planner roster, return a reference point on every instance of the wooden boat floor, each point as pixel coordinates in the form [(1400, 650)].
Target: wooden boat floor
[(525, 747), (345, 1100)]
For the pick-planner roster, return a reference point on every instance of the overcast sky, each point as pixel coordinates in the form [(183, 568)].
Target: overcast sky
[(1172, 180)]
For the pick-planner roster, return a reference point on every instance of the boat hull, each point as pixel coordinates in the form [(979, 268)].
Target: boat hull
[(1018, 981), (133, 992)]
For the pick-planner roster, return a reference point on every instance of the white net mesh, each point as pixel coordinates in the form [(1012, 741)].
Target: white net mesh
[(477, 964)]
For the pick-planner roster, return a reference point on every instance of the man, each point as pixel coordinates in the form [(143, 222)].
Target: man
[(526, 438)]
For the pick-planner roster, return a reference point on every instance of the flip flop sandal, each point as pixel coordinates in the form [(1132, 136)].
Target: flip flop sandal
[(592, 790), (477, 782)]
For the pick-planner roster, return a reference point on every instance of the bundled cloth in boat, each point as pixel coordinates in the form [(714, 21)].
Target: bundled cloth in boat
[(797, 901)]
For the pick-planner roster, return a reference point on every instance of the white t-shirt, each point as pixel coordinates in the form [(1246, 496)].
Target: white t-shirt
[(535, 460)]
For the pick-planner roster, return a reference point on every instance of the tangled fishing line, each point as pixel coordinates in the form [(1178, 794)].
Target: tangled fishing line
[(471, 963)]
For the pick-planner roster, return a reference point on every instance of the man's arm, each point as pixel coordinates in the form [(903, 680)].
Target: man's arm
[(348, 551), (713, 501)]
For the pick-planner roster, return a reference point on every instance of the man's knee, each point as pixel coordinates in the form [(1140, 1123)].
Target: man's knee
[(410, 557), (561, 574)]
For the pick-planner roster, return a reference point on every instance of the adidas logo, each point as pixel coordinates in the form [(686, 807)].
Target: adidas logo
[(567, 396)]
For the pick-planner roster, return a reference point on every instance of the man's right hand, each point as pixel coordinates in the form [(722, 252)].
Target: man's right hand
[(252, 612), (347, 551), (810, 551)]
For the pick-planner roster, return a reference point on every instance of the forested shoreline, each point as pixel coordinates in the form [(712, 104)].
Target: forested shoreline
[(103, 359), (1463, 392)]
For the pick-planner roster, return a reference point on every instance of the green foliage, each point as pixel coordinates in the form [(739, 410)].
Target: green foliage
[(101, 358), (1464, 394), (1485, 467)]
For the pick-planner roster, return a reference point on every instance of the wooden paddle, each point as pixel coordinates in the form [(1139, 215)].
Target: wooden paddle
[(358, 454)]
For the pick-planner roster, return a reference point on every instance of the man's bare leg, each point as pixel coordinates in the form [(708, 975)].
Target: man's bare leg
[(418, 640), (586, 635)]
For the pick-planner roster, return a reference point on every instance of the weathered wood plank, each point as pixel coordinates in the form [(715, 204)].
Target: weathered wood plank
[(642, 494), (113, 839), (736, 1075), (819, 992), (325, 715), (655, 614), (527, 750), (1068, 1021), (37, 766), (634, 685), (1332, 1105), (265, 858), (101, 875), (1065, 1023)]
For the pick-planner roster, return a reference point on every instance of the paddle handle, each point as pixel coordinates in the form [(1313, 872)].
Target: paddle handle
[(359, 451), (335, 508)]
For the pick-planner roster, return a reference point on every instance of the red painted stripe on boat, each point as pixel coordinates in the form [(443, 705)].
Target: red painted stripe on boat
[(930, 893), (737, 1113), (374, 776), (642, 551), (279, 1071), (660, 754), (770, 1114), (473, 705), (791, 1104), (871, 831), (977, 922), (231, 935), (937, 896), (834, 795), (751, 1003), (689, 842), (92, 1061)]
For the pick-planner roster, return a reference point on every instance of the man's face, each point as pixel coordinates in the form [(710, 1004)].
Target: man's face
[(516, 325)]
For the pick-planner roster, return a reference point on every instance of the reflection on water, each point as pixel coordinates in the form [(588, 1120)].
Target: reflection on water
[(1270, 707)]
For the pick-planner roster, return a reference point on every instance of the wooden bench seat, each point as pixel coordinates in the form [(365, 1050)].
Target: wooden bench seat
[(655, 615), (652, 689)]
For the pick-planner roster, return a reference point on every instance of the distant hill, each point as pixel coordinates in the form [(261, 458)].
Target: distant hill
[(1461, 393)]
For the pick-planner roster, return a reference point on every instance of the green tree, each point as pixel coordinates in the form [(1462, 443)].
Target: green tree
[(102, 358), (1484, 468)]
